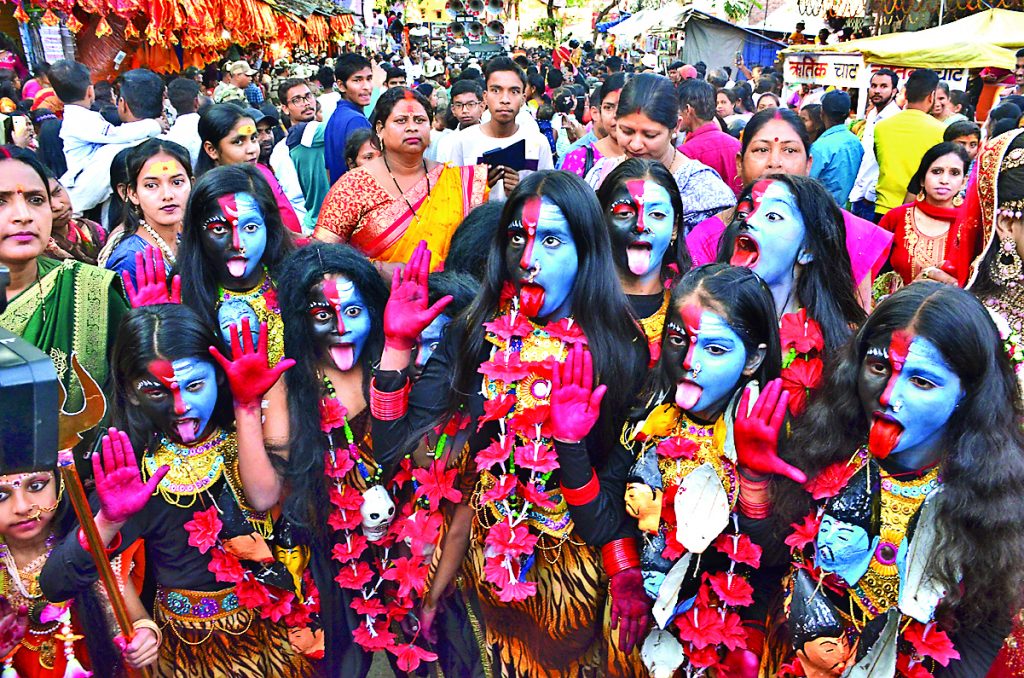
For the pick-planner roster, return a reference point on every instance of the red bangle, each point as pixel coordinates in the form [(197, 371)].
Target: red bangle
[(84, 543), (578, 496), (389, 405), (620, 555)]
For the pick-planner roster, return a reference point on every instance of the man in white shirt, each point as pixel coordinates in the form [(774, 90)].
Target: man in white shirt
[(183, 93), (329, 99), (882, 96), (467, 106), (504, 94)]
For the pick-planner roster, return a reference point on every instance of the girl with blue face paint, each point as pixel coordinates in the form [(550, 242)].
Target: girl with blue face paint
[(644, 215), (172, 400), (914, 447), (549, 289)]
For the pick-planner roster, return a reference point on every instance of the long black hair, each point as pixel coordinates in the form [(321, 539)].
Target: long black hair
[(215, 123), (599, 305), (161, 332), (198, 279), (134, 162), (981, 506), (641, 168), (825, 285), (307, 505), (654, 96), (1009, 188), (745, 302)]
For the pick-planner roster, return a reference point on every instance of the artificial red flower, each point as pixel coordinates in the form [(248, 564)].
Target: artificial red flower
[(225, 567), (731, 588), (792, 669), (409, 573), (420, 530), (801, 333), (516, 590), (332, 414), (508, 292), (739, 548), (831, 480), (526, 421), (505, 327), (537, 457), (456, 423), (801, 376), (203, 529), (733, 635), (700, 625), (344, 520), (345, 498), (270, 297), (409, 656), (355, 575), (536, 496), (437, 483), (497, 570), (677, 447), (502, 488), (496, 453), (338, 464), (931, 641), (279, 606), (905, 670), (673, 549), (375, 637), (368, 606), (299, 616), (504, 539), (252, 594), (505, 367), (804, 532), (567, 331), (350, 548), (398, 608), (704, 657)]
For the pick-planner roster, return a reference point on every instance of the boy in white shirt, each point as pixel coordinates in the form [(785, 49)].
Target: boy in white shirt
[(90, 142), (504, 94)]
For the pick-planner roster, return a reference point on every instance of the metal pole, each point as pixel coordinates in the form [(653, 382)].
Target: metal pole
[(942, 11)]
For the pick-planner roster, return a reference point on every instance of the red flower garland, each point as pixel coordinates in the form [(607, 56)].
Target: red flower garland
[(802, 344)]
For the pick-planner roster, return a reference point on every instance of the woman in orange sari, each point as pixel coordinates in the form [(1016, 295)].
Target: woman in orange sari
[(387, 206)]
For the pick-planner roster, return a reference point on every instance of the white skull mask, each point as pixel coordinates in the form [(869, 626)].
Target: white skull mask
[(378, 511)]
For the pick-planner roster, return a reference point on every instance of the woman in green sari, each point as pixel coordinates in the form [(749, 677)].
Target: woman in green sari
[(59, 307)]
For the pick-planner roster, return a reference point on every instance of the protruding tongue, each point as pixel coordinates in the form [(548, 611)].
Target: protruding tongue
[(531, 299), (884, 436), (343, 356), (186, 430), (687, 394), (236, 267), (744, 252), (639, 259)]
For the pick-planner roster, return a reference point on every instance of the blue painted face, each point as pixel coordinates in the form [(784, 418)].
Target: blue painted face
[(843, 548), (542, 260), (771, 239), (909, 391), (429, 338), (237, 236), (642, 223), (704, 357), (340, 320), (183, 395), (231, 313)]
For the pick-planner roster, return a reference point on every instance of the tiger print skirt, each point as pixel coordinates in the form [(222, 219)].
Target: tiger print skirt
[(562, 630), (233, 644)]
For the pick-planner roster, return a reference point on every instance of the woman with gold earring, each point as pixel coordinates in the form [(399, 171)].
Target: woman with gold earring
[(926, 246)]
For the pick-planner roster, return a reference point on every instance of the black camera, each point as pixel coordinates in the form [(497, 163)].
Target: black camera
[(28, 399)]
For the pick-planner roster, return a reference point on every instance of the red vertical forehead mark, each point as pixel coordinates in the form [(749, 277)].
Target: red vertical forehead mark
[(757, 192), (899, 346), (691, 319), (636, 192), (531, 217), (164, 373), (334, 299), (230, 209)]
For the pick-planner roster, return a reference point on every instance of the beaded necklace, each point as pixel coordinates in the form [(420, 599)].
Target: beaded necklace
[(193, 468)]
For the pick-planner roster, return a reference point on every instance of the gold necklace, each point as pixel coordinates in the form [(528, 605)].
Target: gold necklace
[(193, 468), (160, 242), (654, 324)]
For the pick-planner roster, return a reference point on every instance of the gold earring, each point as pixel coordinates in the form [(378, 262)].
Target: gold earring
[(920, 196), (1008, 264), (958, 200)]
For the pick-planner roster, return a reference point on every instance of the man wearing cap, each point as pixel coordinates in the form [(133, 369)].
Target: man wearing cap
[(837, 152), (239, 77)]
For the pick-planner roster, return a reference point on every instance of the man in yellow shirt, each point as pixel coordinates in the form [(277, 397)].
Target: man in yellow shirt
[(902, 140)]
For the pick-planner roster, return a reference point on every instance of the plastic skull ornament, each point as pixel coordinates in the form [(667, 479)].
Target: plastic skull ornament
[(378, 511)]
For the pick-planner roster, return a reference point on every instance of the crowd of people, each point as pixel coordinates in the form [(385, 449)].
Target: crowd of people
[(549, 365)]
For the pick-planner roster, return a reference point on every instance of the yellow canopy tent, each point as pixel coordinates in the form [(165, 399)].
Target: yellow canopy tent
[(989, 38)]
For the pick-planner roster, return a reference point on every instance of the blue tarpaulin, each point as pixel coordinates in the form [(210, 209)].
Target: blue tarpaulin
[(605, 25)]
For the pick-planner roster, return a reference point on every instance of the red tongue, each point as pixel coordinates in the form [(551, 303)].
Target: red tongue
[(884, 436), (236, 267), (343, 356), (744, 252), (687, 394), (186, 430), (531, 299), (639, 259)]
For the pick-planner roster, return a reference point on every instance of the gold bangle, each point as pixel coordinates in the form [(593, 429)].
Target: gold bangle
[(145, 623)]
